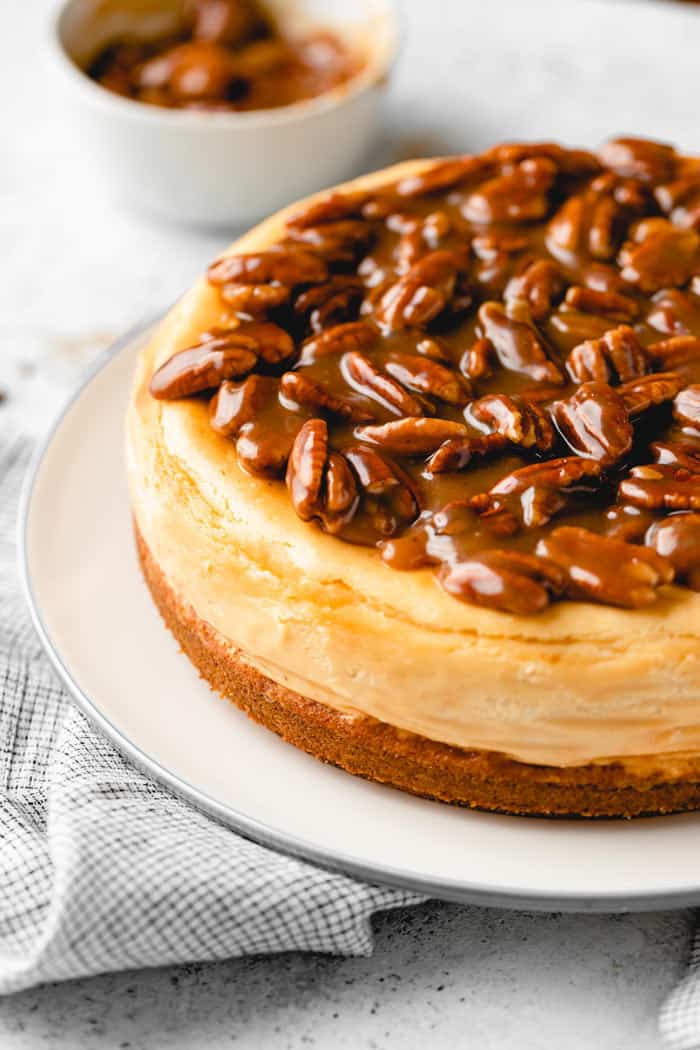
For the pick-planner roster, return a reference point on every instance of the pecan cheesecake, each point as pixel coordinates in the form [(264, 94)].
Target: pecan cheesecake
[(415, 474)]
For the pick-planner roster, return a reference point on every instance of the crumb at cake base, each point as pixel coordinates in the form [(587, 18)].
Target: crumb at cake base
[(380, 752)]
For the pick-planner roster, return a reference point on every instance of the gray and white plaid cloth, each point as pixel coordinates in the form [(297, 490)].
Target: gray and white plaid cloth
[(103, 869)]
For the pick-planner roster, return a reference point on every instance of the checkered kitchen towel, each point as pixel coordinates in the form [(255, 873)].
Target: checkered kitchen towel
[(102, 869)]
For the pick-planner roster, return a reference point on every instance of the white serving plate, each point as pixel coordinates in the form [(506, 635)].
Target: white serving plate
[(108, 644)]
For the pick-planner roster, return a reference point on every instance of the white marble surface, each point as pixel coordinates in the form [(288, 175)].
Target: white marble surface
[(76, 272)]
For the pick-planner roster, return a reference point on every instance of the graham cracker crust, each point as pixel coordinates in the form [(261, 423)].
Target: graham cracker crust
[(377, 751)]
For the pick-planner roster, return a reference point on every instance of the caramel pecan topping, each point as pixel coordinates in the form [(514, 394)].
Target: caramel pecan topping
[(532, 495), (304, 391), (594, 423), (517, 344), (288, 265), (602, 569), (411, 436), (507, 580), (659, 255), (686, 407), (660, 487), (367, 379), (618, 355), (491, 368), (678, 539), (514, 419)]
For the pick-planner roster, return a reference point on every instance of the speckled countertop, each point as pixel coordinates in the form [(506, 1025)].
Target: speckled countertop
[(76, 272)]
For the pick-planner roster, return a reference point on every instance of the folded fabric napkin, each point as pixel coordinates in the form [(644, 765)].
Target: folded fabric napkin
[(103, 869)]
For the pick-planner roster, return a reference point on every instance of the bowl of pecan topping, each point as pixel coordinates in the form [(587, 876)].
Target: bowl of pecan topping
[(216, 112)]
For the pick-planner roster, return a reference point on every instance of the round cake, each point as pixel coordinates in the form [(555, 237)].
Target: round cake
[(415, 477)]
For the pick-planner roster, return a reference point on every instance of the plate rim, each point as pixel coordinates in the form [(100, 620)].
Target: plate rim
[(250, 827)]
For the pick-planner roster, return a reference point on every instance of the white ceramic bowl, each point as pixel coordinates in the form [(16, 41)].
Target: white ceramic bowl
[(222, 169)]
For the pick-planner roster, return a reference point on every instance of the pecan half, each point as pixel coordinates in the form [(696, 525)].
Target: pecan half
[(456, 453), (342, 241), (659, 255), (618, 355), (421, 294), (201, 368), (661, 488), (681, 453), (639, 395), (686, 406), (369, 380), (354, 335), (442, 176), (235, 404), (411, 436), (517, 344), (513, 418), (339, 497), (333, 302), (331, 208), (518, 196), (603, 569), (307, 392), (678, 539), (590, 221), (532, 495), (254, 300), (510, 581), (388, 497), (594, 423), (281, 264), (428, 377), (541, 283), (674, 312), (477, 360), (680, 199), (605, 304), (639, 159), (306, 467), (680, 353)]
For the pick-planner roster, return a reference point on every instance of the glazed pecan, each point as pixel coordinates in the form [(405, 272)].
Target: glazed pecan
[(513, 418), (478, 359), (354, 335), (202, 367), (532, 495), (342, 241), (686, 407), (639, 159), (426, 376), (603, 569), (680, 353), (541, 283), (659, 255), (520, 195), (639, 395), (678, 539), (517, 344), (411, 436), (308, 393), (253, 300), (605, 304), (443, 176), (235, 404), (674, 312), (433, 348), (331, 208), (574, 326), (683, 452), (567, 161), (456, 453), (680, 199), (590, 221), (335, 301), (388, 497), (616, 356), (339, 497), (421, 294), (306, 468), (507, 580), (594, 423), (287, 265), (369, 380), (660, 487)]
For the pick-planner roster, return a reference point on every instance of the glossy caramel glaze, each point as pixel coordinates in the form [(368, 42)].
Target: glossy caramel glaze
[(492, 367), (229, 56)]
